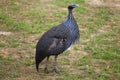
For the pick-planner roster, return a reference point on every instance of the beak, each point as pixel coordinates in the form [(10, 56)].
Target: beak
[(77, 5)]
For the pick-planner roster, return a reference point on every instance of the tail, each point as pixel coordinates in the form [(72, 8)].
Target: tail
[(39, 58)]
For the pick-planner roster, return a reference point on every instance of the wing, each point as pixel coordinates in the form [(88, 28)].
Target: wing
[(54, 41), (57, 46), (60, 36)]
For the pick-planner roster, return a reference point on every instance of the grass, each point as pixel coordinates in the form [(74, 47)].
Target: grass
[(2, 44), (27, 21), (14, 44), (15, 25), (28, 63)]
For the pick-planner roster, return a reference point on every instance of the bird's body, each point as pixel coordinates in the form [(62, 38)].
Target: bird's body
[(57, 39)]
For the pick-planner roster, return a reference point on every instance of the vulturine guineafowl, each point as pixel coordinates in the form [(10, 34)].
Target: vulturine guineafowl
[(57, 40)]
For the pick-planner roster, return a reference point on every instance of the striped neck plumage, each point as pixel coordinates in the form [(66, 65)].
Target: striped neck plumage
[(70, 14), (70, 18), (72, 26)]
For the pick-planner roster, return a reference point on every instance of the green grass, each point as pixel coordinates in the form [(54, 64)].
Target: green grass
[(2, 44), (14, 44), (27, 21), (67, 52), (14, 6), (76, 77), (76, 48), (13, 24), (62, 3), (28, 63)]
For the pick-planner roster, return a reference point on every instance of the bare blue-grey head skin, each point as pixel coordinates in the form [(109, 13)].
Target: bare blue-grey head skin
[(56, 40), (71, 6)]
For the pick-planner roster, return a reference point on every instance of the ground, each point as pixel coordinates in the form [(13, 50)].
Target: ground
[(95, 57)]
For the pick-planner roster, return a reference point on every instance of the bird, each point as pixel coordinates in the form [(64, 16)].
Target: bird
[(56, 40)]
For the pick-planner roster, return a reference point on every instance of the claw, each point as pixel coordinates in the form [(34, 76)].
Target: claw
[(56, 69), (46, 70), (46, 66)]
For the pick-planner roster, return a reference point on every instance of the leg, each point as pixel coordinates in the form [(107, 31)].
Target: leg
[(56, 65), (46, 66)]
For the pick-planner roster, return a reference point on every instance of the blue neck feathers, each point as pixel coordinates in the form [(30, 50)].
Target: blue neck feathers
[(71, 24)]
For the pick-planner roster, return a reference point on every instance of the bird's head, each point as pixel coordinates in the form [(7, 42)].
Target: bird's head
[(71, 6)]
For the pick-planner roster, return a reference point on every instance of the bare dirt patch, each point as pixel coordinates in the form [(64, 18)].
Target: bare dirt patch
[(5, 33), (108, 3), (95, 2)]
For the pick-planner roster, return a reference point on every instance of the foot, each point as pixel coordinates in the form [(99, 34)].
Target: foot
[(56, 69), (46, 70), (46, 66)]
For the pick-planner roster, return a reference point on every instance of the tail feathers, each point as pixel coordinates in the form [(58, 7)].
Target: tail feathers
[(39, 59)]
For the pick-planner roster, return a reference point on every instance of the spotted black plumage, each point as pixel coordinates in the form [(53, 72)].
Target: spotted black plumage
[(57, 40)]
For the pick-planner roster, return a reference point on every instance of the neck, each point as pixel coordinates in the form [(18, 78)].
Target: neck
[(70, 18), (70, 15)]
